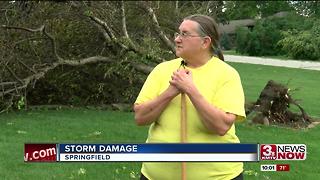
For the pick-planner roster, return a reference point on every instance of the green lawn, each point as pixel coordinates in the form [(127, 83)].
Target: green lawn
[(97, 126), (255, 77), (69, 126)]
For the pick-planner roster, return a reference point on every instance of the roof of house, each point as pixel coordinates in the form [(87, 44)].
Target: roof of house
[(231, 26)]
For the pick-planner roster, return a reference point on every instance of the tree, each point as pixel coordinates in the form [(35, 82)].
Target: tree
[(254, 9), (269, 8), (307, 8), (240, 10), (85, 52)]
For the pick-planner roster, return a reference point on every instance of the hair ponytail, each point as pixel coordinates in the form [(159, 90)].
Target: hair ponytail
[(219, 54)]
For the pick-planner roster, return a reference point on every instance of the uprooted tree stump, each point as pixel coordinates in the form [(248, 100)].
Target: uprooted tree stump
[(272, 107)]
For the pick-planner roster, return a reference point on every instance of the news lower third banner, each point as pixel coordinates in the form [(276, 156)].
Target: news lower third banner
[(148, 152)]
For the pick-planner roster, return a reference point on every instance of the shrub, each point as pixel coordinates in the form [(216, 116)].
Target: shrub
[(242, 37), (281, 36), (261, 41), (225, 42), (302, 44)]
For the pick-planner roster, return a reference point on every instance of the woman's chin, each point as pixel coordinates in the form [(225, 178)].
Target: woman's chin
[(178, 53)]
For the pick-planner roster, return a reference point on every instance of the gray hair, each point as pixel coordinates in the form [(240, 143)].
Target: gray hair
[(208, 27)]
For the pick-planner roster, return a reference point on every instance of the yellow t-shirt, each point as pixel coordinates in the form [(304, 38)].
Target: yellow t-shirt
[(220, 85)]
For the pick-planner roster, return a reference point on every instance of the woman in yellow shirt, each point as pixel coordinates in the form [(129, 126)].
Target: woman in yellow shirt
[(215, 100)]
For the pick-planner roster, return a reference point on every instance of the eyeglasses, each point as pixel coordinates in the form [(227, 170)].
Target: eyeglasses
[(184, 35)]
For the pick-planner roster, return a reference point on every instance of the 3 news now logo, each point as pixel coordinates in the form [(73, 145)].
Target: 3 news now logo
[(283, 151)]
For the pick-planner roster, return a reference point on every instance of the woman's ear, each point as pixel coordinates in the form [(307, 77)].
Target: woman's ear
[(206, 42)]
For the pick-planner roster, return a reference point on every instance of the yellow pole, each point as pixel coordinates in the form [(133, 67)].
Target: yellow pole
[(183, 132)]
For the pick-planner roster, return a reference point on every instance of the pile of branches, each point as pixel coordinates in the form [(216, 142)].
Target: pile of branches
[(272, 107)]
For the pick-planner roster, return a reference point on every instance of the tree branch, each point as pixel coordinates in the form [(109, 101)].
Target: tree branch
[(123, 46), (41, 72), (53, 43), (143, 68), (13, 74), (104, 25), (93, 59), (29, 68), (27, 39), (7, 83), (124, 26), (41, 29), (176, 6), (157, 27)]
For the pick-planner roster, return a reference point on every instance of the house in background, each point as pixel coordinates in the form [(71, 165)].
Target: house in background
[(228, 31), (232, 25)]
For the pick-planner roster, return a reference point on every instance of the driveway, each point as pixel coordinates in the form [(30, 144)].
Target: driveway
[(311, 65)]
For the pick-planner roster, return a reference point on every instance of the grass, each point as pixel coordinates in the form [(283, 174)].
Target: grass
[(77, 125), (307, 169), (255, 77), (96, 126)]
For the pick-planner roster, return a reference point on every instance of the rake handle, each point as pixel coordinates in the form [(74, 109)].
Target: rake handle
[(183, 132)]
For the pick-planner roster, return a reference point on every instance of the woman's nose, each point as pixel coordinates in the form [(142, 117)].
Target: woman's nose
[(177, 39)]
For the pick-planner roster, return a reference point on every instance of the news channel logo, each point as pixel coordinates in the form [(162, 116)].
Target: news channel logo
[(283, 152)]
